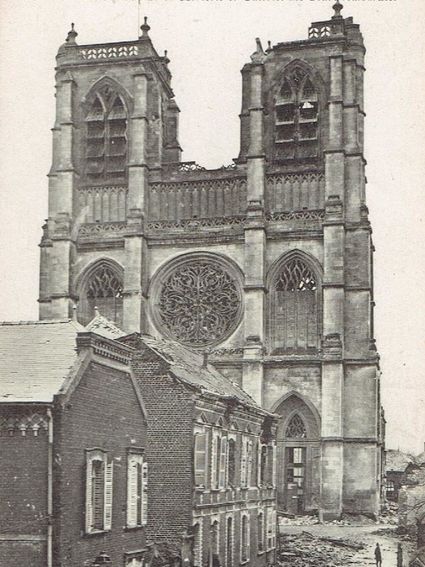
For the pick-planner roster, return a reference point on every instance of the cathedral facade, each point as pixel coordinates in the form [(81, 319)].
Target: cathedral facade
[(264, 265)]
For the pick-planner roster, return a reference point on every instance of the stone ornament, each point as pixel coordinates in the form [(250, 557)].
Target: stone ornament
[(199, 302)]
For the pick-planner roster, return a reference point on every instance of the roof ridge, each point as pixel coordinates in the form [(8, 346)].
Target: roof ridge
[(37, 322)]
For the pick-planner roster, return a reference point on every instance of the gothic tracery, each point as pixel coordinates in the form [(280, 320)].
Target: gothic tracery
[(199, 303), (296, 428)]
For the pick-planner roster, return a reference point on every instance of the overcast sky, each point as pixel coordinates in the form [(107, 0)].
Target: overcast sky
[(208, 42)]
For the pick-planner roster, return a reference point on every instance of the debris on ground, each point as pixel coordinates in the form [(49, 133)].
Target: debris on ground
[(306, 550), (389, 517)]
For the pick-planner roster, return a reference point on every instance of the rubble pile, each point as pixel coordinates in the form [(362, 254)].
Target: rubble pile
[(306, 550), (389, 514)]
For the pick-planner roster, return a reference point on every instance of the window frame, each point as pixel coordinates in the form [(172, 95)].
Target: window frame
[(201, 430), (101, 456), (136, 518), (247, 461), (271, 525), (261, 534), (231, 482), (107, 119), (245, 550), (290, 114)]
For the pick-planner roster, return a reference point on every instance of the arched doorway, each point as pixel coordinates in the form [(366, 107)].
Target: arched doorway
[(298, 455)]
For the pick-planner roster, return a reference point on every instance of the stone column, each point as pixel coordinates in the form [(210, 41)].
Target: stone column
[(135, 248), (61, 196), (361, 434), (332, 463), (255, 237)]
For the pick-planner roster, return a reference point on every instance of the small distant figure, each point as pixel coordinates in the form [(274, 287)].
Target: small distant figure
[(399, 555), (378, 556)]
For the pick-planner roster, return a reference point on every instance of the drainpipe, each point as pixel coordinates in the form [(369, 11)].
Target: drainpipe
[(50, 490)]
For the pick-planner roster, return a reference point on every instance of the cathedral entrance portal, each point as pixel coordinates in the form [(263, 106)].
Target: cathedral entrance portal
[(298, 456)]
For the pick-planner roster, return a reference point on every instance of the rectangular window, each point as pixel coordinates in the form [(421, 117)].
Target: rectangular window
[(245, 541), (271, 528), (262, 463), (231, 461), (271, 464), (260, 531), (137, 486), (246, 462), (243, 462), (99, 484)]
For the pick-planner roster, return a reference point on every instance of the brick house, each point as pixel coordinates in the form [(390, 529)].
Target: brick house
[(212, 459), (72, 437)]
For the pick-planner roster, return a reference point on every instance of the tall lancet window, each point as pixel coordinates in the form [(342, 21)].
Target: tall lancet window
[(296, 116), (294, 312), (106, 137), (102, 289)]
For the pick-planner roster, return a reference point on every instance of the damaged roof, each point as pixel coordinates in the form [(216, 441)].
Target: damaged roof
[(190, 368), (104, 327), (397, 460), (35, 358)]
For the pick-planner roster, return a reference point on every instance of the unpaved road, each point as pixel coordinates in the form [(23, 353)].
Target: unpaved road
[(359, 534)]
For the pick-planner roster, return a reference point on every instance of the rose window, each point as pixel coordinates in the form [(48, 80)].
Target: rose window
[(199, 303)]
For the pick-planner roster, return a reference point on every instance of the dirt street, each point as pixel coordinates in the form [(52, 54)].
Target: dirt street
[(354, 545)]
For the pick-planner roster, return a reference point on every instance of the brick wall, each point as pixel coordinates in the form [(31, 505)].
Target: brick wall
[(103, 412), (23, 496), (169, 406)]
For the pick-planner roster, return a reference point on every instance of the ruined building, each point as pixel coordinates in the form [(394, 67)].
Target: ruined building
[(266, 263)]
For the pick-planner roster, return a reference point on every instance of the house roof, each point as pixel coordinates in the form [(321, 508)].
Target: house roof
[(35, 358), (397, 460), (190, 368)]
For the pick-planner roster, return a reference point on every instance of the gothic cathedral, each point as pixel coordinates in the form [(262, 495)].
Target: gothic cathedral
[(266, 264)]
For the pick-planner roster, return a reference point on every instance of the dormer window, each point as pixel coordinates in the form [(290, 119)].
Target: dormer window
[(296, 117), (106, 137)]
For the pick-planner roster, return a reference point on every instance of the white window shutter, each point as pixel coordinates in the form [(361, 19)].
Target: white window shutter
[(107, 522), (132, 492), (259, 463), (223, 462), (144, 494), (214, 458), (200, 458), (249, 463), (89, 503), (243, 463), (274, 465)]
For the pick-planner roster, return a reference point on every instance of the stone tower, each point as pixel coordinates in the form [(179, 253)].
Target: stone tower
[(266, 263)]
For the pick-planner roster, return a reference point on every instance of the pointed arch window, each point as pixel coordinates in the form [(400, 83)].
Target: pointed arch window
[(106, 136), (294, 308), (103, 290), (296, 116), (296, 428)]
